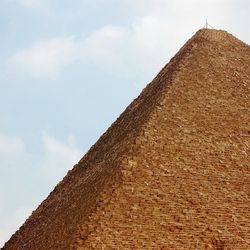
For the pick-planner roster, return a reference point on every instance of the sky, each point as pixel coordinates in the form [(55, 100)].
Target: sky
[(69, 68)]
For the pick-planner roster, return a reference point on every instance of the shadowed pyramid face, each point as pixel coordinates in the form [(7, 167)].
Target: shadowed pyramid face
[(172, 172)]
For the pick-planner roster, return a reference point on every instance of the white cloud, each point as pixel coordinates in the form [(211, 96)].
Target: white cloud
[(50, 167), (54, 146), (11, 145), (44, 58), (124, 51), (141, 48), (59, 157), (30, 3)]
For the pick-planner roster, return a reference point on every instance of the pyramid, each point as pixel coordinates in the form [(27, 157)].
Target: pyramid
[(172, 172)]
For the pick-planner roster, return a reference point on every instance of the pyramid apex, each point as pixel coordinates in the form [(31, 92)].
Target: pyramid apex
[(214, 35)]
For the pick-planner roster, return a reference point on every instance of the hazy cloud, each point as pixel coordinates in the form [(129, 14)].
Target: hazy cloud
[(54, 161), (123, 51), (59, 157), (44, 58), (11, 145), (30, 3), (142, 47)]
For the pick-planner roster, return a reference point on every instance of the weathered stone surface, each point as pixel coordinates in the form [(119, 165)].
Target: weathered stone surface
[(172, 172)]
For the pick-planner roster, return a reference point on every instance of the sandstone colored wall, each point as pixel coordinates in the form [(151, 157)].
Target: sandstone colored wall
[(172, 172)]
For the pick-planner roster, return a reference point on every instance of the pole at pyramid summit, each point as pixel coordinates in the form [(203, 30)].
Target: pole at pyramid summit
[(207, 25)]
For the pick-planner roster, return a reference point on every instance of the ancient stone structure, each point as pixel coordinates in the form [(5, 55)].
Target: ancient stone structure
[(172, 172)]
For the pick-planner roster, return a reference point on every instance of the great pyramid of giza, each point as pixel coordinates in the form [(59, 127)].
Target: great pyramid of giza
[(173, 170)]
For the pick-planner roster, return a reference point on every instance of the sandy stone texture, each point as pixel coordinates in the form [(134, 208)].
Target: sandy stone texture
[(172, 172)]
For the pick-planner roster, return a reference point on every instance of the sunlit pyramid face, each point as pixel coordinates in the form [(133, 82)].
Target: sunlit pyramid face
[(172, 172)]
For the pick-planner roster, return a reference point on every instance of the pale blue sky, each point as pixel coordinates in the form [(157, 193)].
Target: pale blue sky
[(69, 68)]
